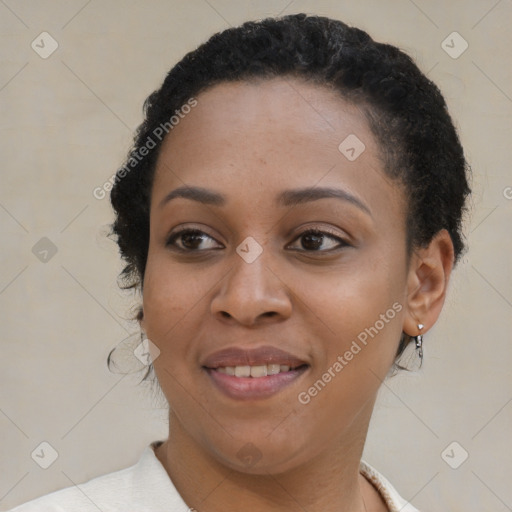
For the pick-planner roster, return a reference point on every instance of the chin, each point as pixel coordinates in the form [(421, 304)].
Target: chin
[(260, 454)]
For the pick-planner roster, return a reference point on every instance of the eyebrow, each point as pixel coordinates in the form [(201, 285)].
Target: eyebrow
[(286, 198)]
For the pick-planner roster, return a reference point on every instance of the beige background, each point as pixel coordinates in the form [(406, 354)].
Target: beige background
[(66, 122)]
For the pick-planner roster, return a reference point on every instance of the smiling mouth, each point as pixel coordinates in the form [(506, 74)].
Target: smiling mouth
[(253, 373), (255, 382), (257, 371)]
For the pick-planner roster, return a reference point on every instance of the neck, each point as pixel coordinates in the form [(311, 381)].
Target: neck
[(329, 482)]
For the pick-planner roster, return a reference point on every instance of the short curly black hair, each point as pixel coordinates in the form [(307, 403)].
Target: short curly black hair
[(405, 110)]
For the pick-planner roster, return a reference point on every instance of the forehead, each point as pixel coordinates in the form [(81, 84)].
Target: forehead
[(269, 135), (285, 107)]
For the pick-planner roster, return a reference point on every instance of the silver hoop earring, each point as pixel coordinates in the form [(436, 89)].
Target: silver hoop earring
[(419, 343)]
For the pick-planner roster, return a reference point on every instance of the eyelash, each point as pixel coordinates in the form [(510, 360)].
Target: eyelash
[(171, 242)]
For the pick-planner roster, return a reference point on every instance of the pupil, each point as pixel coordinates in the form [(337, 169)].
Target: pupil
[(191, 240), (312, 241)]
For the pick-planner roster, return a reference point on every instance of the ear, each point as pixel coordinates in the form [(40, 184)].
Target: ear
[(427, 283)]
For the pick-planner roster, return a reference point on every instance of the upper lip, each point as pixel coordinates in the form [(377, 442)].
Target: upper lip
[(236, 356)]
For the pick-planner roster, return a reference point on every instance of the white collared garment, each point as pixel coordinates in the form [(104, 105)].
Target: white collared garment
[(146, 487)]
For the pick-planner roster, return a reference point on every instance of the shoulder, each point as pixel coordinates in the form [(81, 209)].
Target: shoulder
[(389, 494), (144, 487), (101, 493)]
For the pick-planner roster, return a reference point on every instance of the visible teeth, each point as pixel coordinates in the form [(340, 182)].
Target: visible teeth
[(259, 371), (254, 371), (273, 369), (242, 371)]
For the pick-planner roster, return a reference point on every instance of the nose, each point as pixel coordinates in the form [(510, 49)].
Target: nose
[(251, 294)]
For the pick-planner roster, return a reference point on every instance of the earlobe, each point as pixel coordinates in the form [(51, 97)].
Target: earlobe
[(427, 283)]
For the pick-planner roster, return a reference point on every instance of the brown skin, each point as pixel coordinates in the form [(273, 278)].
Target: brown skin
[(249, 142)]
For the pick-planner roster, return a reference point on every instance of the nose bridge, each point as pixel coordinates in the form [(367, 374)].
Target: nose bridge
[(249, 264), (249, 273), (250, 290)]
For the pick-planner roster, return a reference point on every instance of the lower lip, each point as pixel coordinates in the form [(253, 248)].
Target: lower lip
[(254, 388)]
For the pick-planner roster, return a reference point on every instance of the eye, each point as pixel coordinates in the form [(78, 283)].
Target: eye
[(312, 240), (319, 241), (192, 240)]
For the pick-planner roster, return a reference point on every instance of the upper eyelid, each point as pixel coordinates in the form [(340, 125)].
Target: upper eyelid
[(180, 231), (342, 241)]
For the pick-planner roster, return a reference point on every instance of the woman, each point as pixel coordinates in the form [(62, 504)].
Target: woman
[(291, 212)]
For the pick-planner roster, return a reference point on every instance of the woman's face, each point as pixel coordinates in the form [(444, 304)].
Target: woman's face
[(277, 247)]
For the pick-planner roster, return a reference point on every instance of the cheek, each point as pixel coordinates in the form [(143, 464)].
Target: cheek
[(176, 305), (168, 300), (353, 299), (168, 294), (167, 303), (359, 322), (358, 312)]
